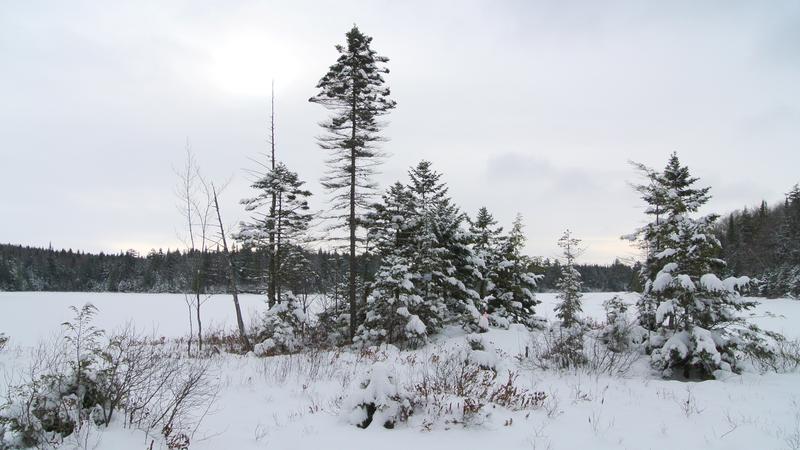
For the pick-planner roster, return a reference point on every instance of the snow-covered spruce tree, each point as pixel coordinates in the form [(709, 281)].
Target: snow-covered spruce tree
[(391, 307), (565, 337), (282, 228), (283, 327), (618, 333), (394, 307), (443, 254), (380, 399), (512, 298), (569, 284), (486, 240), (695, 325), (668, 196), (355, 91)]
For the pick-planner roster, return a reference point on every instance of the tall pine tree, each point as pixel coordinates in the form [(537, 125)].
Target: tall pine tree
[(355, 91)]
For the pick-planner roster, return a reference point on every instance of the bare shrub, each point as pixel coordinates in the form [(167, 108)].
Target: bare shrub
[(24, 422), (221, 340), (455, 390), (556, 348), (175, 402), (79, 380), (308, 367), (584, 351), (603, 359), (689, 405), (774, 353)]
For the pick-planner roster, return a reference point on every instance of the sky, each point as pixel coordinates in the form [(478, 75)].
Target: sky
[(533, 107)]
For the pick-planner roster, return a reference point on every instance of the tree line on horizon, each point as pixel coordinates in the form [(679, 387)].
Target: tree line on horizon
[(26, 268)]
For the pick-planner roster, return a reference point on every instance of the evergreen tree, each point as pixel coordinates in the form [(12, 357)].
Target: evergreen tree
[(694, 309), (283, 327), (789, 237), (395, 305), (513, 284), (355, 90), (486, 237), (443, 252), (569, 296), (668, 196), (285, 225)]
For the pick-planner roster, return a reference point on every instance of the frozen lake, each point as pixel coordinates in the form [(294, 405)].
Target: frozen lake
[(30, 316)]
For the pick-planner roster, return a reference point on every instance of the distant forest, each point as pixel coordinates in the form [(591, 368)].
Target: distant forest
[(762, 242), (46, 269)]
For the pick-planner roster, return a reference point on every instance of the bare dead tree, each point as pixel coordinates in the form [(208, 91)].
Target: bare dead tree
[(232, 274), (273, 270), (195, 204)]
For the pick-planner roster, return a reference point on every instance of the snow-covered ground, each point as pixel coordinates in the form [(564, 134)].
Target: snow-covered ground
[(300, 402)]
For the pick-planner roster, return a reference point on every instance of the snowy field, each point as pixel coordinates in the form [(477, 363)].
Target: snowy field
[(300, 402)]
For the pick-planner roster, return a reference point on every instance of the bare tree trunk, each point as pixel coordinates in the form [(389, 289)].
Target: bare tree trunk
[(191, 332), (199, 323), (353, 268), (246, 347), (278, 248), (273, 270)]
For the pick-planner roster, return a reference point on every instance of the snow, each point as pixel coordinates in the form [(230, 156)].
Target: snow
[(711, 283), (665, 308), (297, 402), (262, 348), (735, 283), (678, 343), (704, 342), (666, 253), (415, 326), (669, 268), (686, 282), (663, 280)]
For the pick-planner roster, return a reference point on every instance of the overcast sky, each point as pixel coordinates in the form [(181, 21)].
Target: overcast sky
[(530, 107)]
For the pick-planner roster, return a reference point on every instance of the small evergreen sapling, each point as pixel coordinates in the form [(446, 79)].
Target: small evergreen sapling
[(569, 284), (565, 338), (283, 327), (380, 399)]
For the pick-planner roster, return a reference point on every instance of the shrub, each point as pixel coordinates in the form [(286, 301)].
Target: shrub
[(455, 390), (770, 351), (563, 347), (80, 381), (283, 327), (379, 399), (617, 333)]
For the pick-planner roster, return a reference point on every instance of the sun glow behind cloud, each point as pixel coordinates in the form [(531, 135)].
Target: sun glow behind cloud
[(242, 62)]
